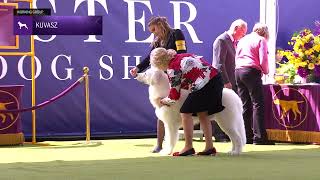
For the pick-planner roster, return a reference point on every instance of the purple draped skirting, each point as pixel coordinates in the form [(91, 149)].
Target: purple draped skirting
[(292, 112), (10, 122)]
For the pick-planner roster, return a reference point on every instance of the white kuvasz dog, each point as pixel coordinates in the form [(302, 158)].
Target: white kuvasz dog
[(230, 119)]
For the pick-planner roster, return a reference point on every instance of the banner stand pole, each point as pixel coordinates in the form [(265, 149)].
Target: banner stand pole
[(88, 142), (33, 84), (86, 83)]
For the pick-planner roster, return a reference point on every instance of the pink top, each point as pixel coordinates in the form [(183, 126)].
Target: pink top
[(252, 51)]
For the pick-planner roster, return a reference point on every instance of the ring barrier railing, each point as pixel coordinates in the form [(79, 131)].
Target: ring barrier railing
[(38, 106), (84, 78)]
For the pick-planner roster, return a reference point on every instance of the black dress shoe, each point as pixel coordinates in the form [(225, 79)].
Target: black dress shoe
[(189, 152), (210, 152), (249, 141)]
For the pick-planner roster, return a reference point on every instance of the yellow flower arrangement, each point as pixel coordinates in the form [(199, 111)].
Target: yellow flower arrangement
[(304, 58)]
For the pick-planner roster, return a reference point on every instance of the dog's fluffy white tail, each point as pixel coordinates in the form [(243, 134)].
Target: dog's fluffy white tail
[(231, 121)]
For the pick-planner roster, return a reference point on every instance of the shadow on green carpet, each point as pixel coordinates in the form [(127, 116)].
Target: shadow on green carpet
[(261, 165), (57, 146)]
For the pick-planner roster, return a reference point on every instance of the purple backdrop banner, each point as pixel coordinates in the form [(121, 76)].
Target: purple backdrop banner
[(119, 104)]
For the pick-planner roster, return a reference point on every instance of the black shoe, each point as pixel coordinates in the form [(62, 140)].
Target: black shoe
[(263, 143), (250, 141), (189, 152), (210, 152)]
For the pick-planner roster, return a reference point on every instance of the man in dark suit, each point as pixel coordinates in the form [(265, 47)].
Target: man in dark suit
[(224, 49)]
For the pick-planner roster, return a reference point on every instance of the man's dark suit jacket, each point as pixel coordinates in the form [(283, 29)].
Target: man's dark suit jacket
[(224, 58)]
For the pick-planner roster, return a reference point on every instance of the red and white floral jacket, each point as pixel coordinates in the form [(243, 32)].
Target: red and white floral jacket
[(190, 72)]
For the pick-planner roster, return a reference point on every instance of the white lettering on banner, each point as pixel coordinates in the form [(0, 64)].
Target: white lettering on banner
[(36, 37), (91, 12), (106, 71), (132, 21), (54, 67), (126, 65), (177, 20), (47, 25), (131, 18), (20, 67), (106, 67), (4, 67), (53, 4)]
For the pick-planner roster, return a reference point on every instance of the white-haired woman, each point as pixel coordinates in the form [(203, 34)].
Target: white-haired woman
[(251, 62), (191, 72)]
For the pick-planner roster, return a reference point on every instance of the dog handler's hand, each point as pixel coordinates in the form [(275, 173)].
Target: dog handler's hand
[(158, 102), (163, 104), (134, 71), (167, 101)]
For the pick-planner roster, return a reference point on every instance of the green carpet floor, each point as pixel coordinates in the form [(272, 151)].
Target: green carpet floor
[(130, 159)]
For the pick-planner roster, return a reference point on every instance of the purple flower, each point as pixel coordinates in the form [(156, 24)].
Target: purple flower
[(317, 70), (308, 45), (295, 54), (303, 33), (284, 60), (302, 72), (309, 57)]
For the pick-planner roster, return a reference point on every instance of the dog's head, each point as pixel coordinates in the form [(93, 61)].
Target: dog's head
[(145, 77), (151, 76)]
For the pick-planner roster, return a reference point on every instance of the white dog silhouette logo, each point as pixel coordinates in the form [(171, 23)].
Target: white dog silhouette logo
[(21, 25)]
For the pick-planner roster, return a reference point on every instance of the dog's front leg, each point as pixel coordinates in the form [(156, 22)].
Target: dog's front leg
[(171, 137)]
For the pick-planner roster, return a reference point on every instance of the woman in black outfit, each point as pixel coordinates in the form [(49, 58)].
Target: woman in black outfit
[(168, 38)]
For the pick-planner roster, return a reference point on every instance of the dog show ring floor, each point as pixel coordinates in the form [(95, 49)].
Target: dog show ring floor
[(131, 159)]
